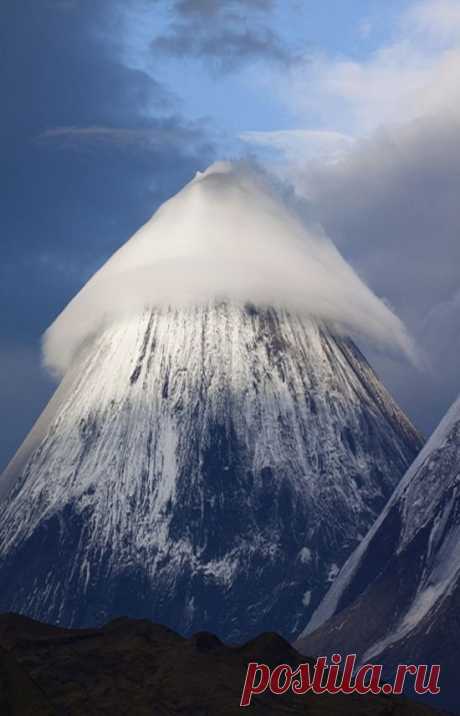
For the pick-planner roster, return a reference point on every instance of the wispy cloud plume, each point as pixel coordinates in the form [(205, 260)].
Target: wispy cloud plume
[(162, 134)]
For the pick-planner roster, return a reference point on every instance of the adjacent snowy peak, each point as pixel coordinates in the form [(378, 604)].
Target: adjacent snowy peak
[(210, 467), (397, 598)]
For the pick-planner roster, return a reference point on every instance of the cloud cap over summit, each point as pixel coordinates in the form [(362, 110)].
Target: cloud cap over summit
[(228, 234)]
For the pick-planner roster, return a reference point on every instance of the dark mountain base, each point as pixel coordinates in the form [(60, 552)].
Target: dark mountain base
[(137, 667)]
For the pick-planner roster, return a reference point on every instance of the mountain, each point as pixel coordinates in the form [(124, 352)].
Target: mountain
[(397, 598), (137, 667), (218, 445), (209, 468)]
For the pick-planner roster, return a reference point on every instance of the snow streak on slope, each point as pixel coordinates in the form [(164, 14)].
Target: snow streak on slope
[(205, 467)]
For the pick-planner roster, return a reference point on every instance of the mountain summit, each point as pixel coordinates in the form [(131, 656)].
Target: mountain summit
[(208, 462)]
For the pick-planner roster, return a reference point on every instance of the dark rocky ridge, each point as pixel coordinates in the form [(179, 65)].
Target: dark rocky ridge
[(137, 668)]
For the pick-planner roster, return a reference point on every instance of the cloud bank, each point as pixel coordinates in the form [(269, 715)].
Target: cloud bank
[(226, 235), (389, 196), (392, 206)]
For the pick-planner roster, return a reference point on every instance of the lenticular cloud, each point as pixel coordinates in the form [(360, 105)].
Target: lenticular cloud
[(226, 235)]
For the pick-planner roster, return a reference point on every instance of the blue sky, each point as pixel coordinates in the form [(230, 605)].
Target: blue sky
[(233, 100), (112, 106)]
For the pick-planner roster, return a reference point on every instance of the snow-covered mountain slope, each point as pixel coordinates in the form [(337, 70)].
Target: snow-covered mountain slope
[(208, 467), (397, 598)]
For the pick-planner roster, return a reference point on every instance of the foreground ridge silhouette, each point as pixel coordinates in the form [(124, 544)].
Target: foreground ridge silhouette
[(137, 667)]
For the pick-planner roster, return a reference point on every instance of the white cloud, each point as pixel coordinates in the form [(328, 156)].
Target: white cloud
[(415, 73), (227, 234), (439, 19), (397, 83)]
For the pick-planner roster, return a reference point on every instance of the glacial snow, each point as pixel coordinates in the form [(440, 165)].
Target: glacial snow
[(219, 455)]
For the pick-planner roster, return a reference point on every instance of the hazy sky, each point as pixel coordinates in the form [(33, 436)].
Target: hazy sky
[(110, 107)]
